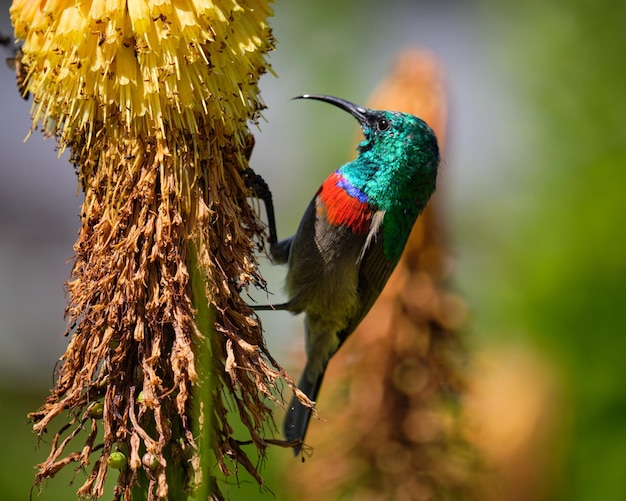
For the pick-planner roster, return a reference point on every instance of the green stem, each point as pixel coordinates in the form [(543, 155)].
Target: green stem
[(202, 402), (176, 471), (140, 490), (205, 391)]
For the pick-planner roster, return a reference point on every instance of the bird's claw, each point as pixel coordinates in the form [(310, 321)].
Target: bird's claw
[(262, 191)]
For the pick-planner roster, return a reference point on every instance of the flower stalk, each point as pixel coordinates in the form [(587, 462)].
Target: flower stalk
[(153, 100)]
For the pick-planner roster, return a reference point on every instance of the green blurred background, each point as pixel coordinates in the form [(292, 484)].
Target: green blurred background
[(535, 185)]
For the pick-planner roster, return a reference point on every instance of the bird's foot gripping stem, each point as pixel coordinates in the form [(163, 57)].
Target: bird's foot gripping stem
[(262, 191)]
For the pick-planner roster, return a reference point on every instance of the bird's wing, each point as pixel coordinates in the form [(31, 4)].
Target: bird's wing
[(374, 272)]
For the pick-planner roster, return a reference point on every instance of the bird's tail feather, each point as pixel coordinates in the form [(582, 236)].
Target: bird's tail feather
[(298, 416)]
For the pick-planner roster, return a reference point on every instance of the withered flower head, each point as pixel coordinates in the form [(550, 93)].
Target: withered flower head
[(153, 98)]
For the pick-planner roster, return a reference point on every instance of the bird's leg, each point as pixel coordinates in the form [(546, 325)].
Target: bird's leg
[(260, 188), (270, 307)]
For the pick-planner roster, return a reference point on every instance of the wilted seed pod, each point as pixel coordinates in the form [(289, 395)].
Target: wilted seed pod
[(102, 384), (150, 461), (95, 410), (117, 460)]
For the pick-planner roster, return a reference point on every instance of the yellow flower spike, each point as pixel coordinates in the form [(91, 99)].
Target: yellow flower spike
[(126, 68), (139, 14), (152, 98)]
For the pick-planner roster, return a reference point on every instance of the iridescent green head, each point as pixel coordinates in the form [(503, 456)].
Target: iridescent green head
[(398, 159), (395, 172)]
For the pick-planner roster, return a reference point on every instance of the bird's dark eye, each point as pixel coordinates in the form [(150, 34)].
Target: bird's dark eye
[(382, 124)]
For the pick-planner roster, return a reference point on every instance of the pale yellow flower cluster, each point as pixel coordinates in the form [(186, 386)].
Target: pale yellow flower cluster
[(146, 64)]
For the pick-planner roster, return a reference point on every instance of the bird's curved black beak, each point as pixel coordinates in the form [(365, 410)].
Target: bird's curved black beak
[(358, 112)]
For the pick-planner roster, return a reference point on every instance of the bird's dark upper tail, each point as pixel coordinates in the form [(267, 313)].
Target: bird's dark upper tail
[(298, 416)]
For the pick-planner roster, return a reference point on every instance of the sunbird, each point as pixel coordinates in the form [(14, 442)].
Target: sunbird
[(351, 237)]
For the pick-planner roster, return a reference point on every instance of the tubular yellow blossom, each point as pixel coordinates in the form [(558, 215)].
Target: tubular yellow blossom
[(153, 99), (147, 61)]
